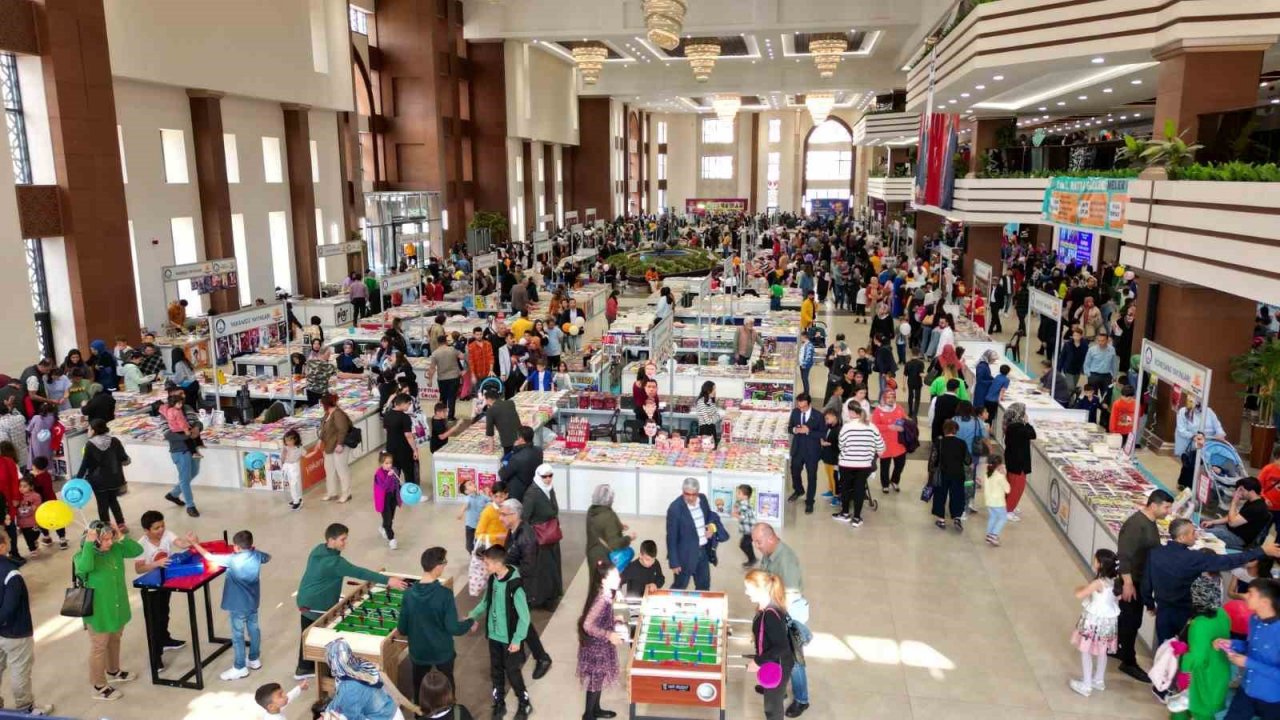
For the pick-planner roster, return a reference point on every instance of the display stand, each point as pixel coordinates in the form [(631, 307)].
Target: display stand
[(244, 330), (205, 277), (186, 586), (1188, 376), (1046, 306)]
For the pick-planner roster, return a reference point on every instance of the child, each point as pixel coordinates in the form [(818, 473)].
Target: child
[(860, 306), (745, 512), (176, 416), (43, 483), (476, 503), (158, 543), (273, 699), (1095, 634), (504, 601), (994, 490), (240, 598), (1088, 401), (904, 335), (28, 501), (386, 496), (829, 452), (291, 466), (645, 573), (863, 363), (440, 430)]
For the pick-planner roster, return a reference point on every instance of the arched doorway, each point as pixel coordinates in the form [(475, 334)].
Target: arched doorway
[(828, 163)]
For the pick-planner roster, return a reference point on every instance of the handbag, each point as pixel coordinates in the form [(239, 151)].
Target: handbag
[(78, 601), (548, 532), (354, 438), (477, 575)]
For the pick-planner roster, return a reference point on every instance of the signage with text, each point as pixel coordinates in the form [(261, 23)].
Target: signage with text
[(591, 213), (570, 215), (1173, 368), (400, 281), (246, 330), (346, 248), (577, 228), (190, 271), (1076, 246), (1049, 306), (981, 271), (1092, 204), (703, 206), (486, 261), (541, 247)]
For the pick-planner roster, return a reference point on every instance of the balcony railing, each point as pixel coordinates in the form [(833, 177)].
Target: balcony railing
[(1250, 135), (1048, 160)]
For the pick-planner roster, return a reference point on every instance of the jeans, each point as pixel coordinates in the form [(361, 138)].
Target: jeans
[(747, 548), (240, 624), (996, 518), (700, 574), (188, 468), (926, 334), (1169, 622), (1226, 535), (449, 393), (804, 379), (800, 684), (902, 352), (108, 501), (884, 382), (1244, 707)]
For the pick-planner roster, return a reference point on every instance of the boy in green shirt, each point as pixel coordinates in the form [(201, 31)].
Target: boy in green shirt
[(429, 620), (321, 585), (505, 610)]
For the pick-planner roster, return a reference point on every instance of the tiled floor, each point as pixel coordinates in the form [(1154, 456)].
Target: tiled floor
[(910, 622)]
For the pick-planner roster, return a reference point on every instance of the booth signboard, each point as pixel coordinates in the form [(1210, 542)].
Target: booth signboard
[(346, 248), (1047, 305), (541, 247), (246, 330), (591, 214), (600, 224), (570, 216), (486, 261), (981, 271), (1187, 376), (703, 206), (1090, 204), (205, 277), (399, 281), (577, 228), (1173, 368), (586, 254)]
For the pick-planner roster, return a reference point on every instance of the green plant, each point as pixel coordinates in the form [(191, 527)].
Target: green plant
[(1259, 372), (1227, 172), (1119, 173), (876, 172), (1169, 151), (494, 222)]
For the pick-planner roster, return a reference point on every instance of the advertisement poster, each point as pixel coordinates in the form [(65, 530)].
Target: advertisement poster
[(466, 475), (446, 484), (313, 467), (704, 206), (1077, 246), (829, 207), (722, 501), (769, 506), (486, 481), (1096, 204), (262, 471)]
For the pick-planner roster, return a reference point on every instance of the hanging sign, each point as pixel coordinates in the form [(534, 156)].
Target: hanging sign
[(570, 215), (246, 330), (541, 245), (346, 248), (399, 281), (981, 271), (1049, 306), (1173, 368), (486, 261), (205, 277), (1096, 204), (577, 228), (591, 213)]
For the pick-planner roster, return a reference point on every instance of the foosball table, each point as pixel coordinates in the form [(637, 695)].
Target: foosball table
[(679, 654), (364, 618)]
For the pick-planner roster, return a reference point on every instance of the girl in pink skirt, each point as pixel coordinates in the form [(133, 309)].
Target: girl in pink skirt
[(597, 656), (1095, 633)]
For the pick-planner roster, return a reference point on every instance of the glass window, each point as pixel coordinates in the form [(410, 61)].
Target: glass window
[(828, 165), (124, 169), (324, 274), (662, 166), (359, 20), (775, 130), (662, 133), (717, 167), (137, 285), (281, 271), (715, 130), (183, 230), (242, 259), (774, 171), (11, 98), (233, 157), (662, 201), (772, 200), (315, 165), (173, 144), (830, 132), (272, 170)]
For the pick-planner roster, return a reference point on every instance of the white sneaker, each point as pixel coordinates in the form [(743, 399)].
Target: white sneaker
[(383, 532), (392, 544), (234, 673), (1099, 685), (1081, 687), (1015, 517), (255, 664)]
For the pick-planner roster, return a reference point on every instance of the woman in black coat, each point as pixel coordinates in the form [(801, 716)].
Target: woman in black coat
[(103, 467)]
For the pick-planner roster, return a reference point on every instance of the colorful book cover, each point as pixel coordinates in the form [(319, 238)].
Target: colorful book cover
[(446, 484), (466, 475), (486, 481), (722, 501), (769, 505)]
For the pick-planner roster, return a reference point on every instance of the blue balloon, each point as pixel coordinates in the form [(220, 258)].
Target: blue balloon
[(77, 493), (410, 494), (622, 557)]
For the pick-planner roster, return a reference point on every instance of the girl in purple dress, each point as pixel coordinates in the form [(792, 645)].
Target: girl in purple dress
[(597, 658)]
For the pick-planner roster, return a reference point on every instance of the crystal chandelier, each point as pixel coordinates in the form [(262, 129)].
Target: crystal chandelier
[(726, 106), (819, 104), (664, 20), (702, 54), (827, 49), (590, 58)]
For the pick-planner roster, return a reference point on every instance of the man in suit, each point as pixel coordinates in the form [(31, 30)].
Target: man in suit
[(806, 427), (687, 537), (944, 408)]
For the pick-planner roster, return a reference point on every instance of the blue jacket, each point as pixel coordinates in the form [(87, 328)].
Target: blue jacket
[(1262, 669), (683, 548), (982, 383), (807, 446), (1071, 357)]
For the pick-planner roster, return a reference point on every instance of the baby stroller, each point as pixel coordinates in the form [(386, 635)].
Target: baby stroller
[(1221, 467), (818, 334)]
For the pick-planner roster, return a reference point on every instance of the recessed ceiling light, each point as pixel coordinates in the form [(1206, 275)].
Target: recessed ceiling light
[(1042, 109), (1135, 82), (1275, 101), (964, 94), (1137, 114), (979, 87), (998, 78), (1082, 97), (1061, 103), (952, 101), (1124, 117), (1106, 90), (1098, 60)]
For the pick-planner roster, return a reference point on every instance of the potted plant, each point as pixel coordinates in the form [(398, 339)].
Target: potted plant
[(1157, 156), (494, 222), (1259, 372)]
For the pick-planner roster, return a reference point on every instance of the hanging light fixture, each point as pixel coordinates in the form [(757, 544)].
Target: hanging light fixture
[(590, 58), (827, 49), (702, 54), (726, 106), (820, 105), (664, 19)]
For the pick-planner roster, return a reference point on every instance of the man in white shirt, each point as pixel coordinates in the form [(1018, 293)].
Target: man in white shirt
[(158, 543), (942, 337)]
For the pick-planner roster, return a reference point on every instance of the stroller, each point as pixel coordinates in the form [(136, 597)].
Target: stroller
[(1222, 468), (818, 334)]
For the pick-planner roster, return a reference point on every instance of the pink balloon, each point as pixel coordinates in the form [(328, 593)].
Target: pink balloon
[(1238, 611)]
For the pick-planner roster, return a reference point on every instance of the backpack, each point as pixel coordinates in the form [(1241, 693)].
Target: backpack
[(909, 436), (978, 446)]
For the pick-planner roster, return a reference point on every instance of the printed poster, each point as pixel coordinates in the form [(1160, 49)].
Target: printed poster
[(262, 471), (466, 475), (446, 484), (769, 506), (487, 480), (722, 501)]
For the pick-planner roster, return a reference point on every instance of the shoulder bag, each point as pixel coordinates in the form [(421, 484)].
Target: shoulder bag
[(78, 601), (548, 532)]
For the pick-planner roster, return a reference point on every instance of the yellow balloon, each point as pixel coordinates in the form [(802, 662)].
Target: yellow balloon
[(1119, 271), (54, 515)]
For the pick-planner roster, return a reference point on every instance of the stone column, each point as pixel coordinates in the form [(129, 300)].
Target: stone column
[(211, 182), (302, 199), (1206, 75)]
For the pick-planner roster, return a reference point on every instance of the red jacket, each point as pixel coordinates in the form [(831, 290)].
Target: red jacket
[(9, 483)]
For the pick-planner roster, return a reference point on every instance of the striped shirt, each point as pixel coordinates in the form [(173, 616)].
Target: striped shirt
[(707, 412), (860, 444), (806, 356)]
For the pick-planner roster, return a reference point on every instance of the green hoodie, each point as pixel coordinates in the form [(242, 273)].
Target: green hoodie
[(500, 617), (321, 584), (429, 619)]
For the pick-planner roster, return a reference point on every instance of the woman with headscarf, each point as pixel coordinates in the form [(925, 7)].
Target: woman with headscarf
[(983, 375), (107, 375), (1018, 435), (360, 692), (605, 532), (348, 359), (100, 405), (99, 564)]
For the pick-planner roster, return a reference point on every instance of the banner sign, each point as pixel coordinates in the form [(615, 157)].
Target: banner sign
[(703, 206), (578, 228), (935, 172), (591, 213), (586, 254), (399, 281), (1096, 204), (600, 224), (1047, 305), (205, 277), (1173, 368), (829, 207), (541, 247), (1076, 246), (486, 261), (981, 271), (246, 330), (570, 216), (346, 248)]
